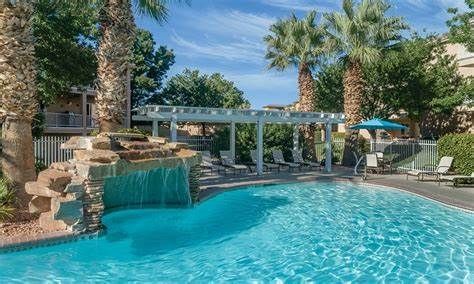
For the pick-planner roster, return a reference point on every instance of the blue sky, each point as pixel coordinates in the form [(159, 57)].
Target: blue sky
[(226, 36)]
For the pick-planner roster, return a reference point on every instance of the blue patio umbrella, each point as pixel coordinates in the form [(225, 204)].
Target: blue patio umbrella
[(377, 123)]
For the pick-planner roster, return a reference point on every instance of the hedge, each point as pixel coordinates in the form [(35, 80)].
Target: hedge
[(461, 147)]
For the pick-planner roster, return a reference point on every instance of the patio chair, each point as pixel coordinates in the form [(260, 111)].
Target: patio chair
[(268, 166), (373, 164), (207, 162), (279, 159), (228, 162), (298, 158), (442, 168), (458, 179)]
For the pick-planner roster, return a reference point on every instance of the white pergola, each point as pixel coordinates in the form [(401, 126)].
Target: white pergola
[(175, 114)]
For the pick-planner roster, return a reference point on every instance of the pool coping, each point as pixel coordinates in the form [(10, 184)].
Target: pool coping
[(19, 243)]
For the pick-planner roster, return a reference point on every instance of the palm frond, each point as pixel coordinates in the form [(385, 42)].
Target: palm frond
[(363, 28), (293, 41)]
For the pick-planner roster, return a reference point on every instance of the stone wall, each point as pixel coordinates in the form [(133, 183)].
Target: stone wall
[(69, 195)]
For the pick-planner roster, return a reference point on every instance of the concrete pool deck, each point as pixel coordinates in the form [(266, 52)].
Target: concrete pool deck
[(459, 197)]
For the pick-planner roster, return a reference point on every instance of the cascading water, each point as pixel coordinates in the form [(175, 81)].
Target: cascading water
[(157, 187)]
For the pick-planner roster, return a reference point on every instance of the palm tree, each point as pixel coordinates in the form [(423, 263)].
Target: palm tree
[(360, 33), (117, 28), (18, 102), (299, 43)]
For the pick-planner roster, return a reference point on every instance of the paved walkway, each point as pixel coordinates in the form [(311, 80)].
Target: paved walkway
[(461, 197)]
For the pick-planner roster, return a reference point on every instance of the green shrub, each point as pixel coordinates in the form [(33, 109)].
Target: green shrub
[(7, 199), (134, 130), (461, 148), (40, 166), (338, 135)]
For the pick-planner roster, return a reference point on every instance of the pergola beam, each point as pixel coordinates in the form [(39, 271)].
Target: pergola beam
[(175, 114)]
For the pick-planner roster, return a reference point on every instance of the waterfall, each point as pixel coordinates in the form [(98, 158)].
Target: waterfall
[(158, 187)]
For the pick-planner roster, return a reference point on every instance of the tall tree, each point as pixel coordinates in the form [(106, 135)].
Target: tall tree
[(18, 101), (191, 88), (150, 67), (300, 43), (461, 26), (117, 27), (65, 41), (359, 33)]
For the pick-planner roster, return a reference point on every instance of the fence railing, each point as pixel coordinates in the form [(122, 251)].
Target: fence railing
[(198, 143), (408, 154), (48, 150), (54, 119), (337, 150)]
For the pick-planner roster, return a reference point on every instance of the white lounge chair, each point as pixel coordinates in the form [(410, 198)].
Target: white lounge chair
[(268, 166), (372, 163), (458, 179), (442, 168), (298, 158), (228, 162), (279, 159), (206, 162)]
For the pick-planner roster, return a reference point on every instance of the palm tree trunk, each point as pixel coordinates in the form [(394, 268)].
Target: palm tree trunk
[(307, 104), (353, 91), (114, 55), (18, 101)]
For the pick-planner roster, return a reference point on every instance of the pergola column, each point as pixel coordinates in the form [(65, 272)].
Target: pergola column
[(174, 128), (328, 147), (84, 113), (155, 128), (232, 140), (260, 125), (296, 137)]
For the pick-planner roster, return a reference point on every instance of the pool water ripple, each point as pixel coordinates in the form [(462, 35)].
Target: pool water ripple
[(326, 232)]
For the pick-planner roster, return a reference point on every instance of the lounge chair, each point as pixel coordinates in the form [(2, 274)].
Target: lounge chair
[(372, 163), (207, 163), (279, 159), (442, 168), (298, 158), (228, 162), (268, 166), (458, 179)]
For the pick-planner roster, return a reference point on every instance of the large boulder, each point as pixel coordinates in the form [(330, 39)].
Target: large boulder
[(97, 156), (38, 189), (47, 222), (54, 179), (39, 204), (69, 211), (103, 143), (78, 142)]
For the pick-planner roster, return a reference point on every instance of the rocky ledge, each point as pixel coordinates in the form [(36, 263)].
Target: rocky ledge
[(68, 195)]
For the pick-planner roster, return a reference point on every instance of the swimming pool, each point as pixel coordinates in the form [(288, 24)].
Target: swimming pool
[(327, 232)]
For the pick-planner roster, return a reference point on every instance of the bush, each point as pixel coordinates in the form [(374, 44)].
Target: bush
[(7, 199), (460, 147), (134, 130)]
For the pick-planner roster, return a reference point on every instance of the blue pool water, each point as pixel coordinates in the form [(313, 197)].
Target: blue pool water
[(326, 232)]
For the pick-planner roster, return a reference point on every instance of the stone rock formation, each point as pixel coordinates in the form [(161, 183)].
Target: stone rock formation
[(69, 195)]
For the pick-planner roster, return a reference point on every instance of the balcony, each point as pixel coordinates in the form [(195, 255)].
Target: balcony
[(68, 120)]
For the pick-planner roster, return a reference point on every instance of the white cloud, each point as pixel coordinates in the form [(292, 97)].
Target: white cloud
[(304, 5), (247, 52), (231, 35), (442, 4)]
